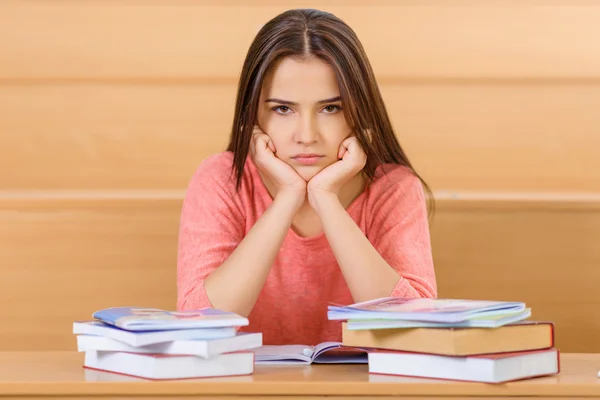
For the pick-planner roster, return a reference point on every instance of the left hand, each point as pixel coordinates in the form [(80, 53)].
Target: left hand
[(330, 180)]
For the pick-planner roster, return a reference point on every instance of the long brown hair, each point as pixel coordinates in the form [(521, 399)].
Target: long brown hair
[(305, 33)]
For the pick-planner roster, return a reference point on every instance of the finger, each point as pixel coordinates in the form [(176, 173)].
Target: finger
[(271, 145), (344, 146), (341, 151)]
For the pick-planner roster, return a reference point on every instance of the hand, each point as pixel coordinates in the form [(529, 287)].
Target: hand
[(281, 177), (330, 180)]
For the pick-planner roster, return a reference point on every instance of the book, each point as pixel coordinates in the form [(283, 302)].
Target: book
[(323, 353), (153, 319), (485, 321), (206, 348), (425, 310), (521, 336), (164, 366), (144, 338), (491, 368)]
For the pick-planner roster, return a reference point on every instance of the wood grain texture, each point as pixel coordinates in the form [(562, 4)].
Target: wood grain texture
[(74, 255), (513, 137), (95, 39), (546, 258), (64, 259), (59, 374)]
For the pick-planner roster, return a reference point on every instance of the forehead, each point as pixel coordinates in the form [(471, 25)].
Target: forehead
[(301, 80)]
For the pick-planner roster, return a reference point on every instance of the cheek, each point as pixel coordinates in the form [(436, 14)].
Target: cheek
[(279, 133), (334, 131)]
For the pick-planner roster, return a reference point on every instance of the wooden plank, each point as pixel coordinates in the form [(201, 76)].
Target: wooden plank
[(505, 137), (65, 257), (110, 136), (548, 258), (510, 137), (94, 39)]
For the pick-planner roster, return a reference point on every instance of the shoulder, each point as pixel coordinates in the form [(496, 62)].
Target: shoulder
[(393, 180), (213, 175), (218, 165)]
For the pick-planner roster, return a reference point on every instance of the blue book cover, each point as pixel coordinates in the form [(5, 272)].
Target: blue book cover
[(153, 319), (425, 310)]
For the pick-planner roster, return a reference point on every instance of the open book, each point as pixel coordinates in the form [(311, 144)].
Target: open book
[(323, 353)]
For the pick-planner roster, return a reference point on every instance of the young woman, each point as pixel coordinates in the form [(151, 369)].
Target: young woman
[(314, 200)]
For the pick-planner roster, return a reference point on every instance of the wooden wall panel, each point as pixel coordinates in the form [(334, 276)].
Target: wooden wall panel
[(461, 137), (75, 39), (545, 256), (110, 136), (505, 137), (493, 100), (65, 258)]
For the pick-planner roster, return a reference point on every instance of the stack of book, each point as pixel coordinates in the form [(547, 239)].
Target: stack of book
[(159, 344), (466, 340)]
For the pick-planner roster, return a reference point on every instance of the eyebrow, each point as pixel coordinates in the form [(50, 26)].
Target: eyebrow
[(292, 103)]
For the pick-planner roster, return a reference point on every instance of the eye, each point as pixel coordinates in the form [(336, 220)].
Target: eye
[(281, 109), (332, 109)]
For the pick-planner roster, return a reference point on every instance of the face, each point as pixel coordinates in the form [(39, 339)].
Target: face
[(301, 111)]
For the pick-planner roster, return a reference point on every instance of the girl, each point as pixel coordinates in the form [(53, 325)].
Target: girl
[(314, 200)]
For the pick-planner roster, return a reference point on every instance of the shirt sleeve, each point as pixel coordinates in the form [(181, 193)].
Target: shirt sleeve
[(400, 233), (211, 227)]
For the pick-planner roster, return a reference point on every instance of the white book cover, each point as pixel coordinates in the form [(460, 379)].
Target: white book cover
[(201, 348), (490, 368), (148, 337), (162, 366)]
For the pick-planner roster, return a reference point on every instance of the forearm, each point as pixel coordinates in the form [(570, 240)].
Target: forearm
[(367, 274), (236, 284)]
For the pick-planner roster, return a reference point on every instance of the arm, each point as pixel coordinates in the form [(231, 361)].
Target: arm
[(217, 266), (236, 284), (397, 259)]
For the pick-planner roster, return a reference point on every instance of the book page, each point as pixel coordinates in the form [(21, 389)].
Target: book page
[(289, 353)]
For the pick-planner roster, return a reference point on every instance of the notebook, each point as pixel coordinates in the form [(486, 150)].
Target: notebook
[(489, 368), (164, 366), (483, 321), (153, 319), (205, 348), (424, 310), (148, 337)]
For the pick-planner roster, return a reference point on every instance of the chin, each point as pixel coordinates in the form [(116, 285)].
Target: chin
[(307, 173)]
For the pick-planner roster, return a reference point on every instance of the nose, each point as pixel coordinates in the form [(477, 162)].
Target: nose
[(307, 132)]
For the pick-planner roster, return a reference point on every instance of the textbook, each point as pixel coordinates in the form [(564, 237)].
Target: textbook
[(521, 336), (164, 366), (424, 310), (205, 348), (323, 353), (485, 321), (489, 368), (152, 319), (148, 337)]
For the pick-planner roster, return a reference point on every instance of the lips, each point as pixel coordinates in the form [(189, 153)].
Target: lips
[(307, 159)]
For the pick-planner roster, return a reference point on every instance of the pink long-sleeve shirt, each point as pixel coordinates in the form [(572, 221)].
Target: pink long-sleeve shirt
[(305, 277)]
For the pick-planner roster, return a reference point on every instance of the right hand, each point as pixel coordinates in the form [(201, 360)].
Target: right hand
[(282, 178)]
